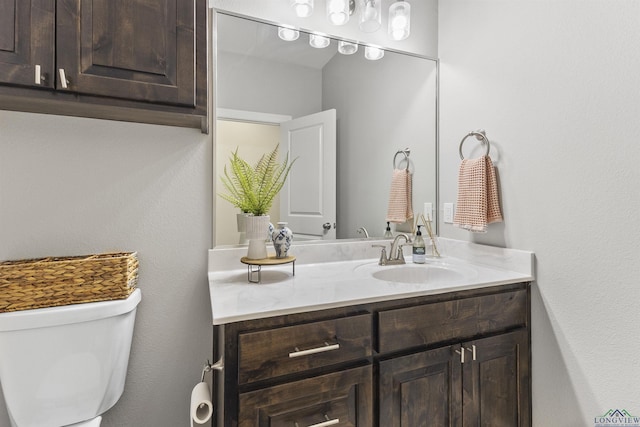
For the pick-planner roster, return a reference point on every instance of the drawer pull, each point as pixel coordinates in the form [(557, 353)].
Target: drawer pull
[(329, 422), (326, 347)]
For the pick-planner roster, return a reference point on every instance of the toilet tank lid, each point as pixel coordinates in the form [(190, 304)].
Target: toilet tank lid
[(62, 315)]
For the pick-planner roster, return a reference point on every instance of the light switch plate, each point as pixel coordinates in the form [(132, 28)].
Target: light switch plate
[(448, 213)]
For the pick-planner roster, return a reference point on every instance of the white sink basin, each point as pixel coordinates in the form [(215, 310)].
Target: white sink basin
[(417, 273)]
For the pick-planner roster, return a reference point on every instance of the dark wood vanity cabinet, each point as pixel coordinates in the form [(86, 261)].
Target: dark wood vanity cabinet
[(137, 60), (455, 359), (437, 388)]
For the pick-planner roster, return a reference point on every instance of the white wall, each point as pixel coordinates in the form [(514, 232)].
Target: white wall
[(259, 85), (381, 109), (72, 186), (556, 84)]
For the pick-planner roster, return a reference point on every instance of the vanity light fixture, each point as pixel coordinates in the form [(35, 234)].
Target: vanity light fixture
[(302, 8), (371, 16), (399, 20), (338, 11), (288, 34), (318, 41), (373, 53), (347, 48)]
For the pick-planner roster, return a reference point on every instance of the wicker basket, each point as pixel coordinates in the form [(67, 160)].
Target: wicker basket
[(51, 282)]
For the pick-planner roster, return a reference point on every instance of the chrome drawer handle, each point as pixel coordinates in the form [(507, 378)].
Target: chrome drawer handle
[(324, 423), (326, 347)]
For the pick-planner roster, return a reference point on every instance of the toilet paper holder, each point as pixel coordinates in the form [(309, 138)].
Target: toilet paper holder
[(208, 367)]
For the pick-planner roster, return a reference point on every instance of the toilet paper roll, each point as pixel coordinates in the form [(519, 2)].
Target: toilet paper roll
[(201, 406)]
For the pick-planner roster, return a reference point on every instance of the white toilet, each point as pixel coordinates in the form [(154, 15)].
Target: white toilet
[(64, 366)]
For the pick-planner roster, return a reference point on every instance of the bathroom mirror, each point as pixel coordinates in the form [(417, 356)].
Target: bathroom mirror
[(382, 107)]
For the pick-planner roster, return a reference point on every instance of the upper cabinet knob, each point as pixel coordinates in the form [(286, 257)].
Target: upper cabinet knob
[(63, 79), (39, 77)]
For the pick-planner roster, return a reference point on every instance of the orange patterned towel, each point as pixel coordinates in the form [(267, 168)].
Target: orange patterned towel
[(400, 208), (478, 204)]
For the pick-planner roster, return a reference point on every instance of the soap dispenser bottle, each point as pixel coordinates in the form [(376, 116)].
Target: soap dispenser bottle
[(388, 234), (419, 248)]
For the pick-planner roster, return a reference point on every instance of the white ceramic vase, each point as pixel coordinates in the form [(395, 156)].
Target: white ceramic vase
[(257, 229)]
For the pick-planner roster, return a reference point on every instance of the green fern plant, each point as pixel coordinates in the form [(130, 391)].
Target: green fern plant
[(253, 188)]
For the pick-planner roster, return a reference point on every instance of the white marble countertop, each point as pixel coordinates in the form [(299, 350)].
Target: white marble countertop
[(321, 282)]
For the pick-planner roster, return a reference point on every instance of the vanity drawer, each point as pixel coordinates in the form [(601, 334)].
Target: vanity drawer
[(293, 349), (340, 399), (460, 319)]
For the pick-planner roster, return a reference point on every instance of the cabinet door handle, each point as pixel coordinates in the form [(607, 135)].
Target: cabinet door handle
[(63, 78), (326, 347), (329, 422), (461, 353), (39, 76), (473, 351)]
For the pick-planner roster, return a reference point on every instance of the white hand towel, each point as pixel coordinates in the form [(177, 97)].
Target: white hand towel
[(478, 203), (400, 207)]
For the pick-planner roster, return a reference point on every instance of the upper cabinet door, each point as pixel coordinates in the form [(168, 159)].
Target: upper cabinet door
[(27, 42), (141, 50)]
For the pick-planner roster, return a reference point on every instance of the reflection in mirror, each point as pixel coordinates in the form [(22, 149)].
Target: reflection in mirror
[(268, 89)]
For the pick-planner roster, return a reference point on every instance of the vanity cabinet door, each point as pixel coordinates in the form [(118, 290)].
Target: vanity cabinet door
[(27, 42), (141, 50), (422, 389), (342, 399), (496, 385)]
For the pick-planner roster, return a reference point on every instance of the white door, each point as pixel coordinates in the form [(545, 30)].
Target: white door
[(308, 198)]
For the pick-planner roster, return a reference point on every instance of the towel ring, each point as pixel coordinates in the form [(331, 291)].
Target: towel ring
[(406, 153), (480, 136)]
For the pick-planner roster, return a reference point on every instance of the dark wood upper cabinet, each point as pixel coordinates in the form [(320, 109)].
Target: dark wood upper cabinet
[(133, 49), (134, 60), (27, 42)]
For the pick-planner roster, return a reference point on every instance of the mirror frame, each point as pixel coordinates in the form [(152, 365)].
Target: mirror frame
[(213, 60)]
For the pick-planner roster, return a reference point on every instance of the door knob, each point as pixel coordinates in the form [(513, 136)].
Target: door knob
[(326, 226)]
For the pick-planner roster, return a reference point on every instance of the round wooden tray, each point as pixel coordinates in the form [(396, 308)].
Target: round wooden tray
[(272, 260)]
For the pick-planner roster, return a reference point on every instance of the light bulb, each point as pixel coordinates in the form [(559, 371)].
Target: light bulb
[(302, 8), (288, 34), (370, 12), (338, 11), (318, 41), (399, 20), (347, 48), (373, 53), (370, 19)]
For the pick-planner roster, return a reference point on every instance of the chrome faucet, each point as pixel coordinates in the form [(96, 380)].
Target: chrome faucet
[(395, 253), (364, 231)]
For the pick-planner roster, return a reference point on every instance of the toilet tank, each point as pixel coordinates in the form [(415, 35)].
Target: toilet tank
[(64, 365)]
